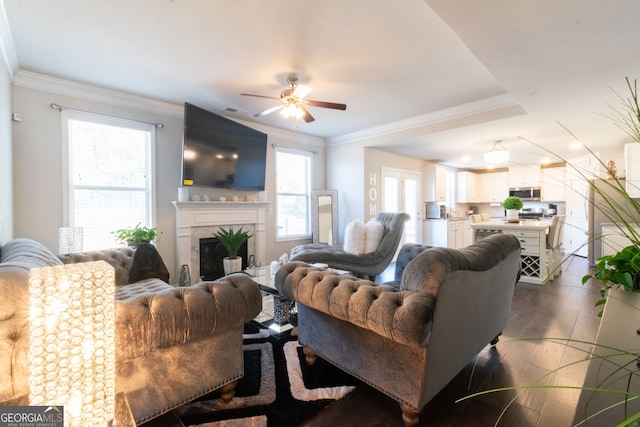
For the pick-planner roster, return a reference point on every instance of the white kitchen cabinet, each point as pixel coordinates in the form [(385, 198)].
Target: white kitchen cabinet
[(553, 184), (524, 176), (467, 233), (435, 183), (453, 233), (466, 187), (493, 187), (459, 233), (632, 166), (435, 233)]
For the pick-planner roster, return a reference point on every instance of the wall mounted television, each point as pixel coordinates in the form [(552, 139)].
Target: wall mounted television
[(220, 153)]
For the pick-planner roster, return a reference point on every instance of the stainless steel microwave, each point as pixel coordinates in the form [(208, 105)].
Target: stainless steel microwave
[(526, 193)]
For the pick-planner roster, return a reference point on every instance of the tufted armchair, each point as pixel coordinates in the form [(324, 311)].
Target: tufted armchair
[(407, 341), (366, 265), (172, 344)]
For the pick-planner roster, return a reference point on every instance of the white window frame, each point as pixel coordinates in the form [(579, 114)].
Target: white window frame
[(309, 155), (68, 187)]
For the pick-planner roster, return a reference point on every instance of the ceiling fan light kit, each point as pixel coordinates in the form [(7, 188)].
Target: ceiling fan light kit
[(294, 101), (498, 154)]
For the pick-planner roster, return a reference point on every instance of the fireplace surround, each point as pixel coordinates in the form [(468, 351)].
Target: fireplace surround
[(199, 220)]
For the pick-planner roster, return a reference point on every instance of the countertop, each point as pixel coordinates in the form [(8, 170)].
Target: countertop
[(504, 225)]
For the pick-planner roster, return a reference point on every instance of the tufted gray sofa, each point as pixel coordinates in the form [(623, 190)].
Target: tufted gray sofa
[(172, 344), (409, 340)]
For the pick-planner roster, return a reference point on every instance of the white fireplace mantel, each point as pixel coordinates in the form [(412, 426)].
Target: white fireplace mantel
[(197, 220)]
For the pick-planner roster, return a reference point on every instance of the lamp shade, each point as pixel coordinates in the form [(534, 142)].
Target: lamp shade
[(72, 341), (498, 154)]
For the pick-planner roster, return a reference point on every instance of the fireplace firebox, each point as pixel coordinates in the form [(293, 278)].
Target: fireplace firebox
[(211, 254)]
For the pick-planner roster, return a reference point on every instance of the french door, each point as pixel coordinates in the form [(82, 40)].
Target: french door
[(400, 193)]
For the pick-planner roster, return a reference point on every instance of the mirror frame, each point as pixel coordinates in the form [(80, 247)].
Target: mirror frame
[(315, 195)]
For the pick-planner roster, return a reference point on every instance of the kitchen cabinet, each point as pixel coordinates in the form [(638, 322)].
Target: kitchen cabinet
[(493, 187), (435, 183), (553, 184), (466, 187), (524, 176), (453, 233), (435, 233), (632, 166), (533, 242)]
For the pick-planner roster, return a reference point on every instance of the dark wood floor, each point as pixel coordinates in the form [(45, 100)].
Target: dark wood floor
[(563, 308)]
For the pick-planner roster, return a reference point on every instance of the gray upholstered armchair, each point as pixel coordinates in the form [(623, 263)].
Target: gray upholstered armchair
[(173, 344), (367, 265), (407, 341)]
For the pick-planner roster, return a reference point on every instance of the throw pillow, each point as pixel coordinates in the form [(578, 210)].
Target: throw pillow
[(374, 232), (147, 264), (354, 238)]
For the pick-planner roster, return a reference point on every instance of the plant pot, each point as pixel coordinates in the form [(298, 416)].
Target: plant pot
[(231, 265), (512, 215)]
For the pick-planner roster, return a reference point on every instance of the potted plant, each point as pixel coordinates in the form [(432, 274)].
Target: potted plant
[(134, 236), (621, 269), (232, 241), (512, 205)]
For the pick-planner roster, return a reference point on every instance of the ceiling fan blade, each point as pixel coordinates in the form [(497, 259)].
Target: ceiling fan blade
[(301, 91), (306, 117), (268, 111), (323, 104), (260, 96)]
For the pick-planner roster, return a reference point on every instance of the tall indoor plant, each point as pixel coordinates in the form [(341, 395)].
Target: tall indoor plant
[(232, 241)]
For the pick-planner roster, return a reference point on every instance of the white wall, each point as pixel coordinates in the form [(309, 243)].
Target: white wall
[(6, 156), (38, 174), (345, 173)]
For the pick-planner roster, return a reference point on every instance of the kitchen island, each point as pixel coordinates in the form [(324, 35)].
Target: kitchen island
[(533, 240)]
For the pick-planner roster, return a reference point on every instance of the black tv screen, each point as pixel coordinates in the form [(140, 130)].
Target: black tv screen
[(218, 152)]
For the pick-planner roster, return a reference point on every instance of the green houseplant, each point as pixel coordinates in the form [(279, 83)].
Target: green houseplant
[(135, 235), (232, 241), (512, 205), (621, 269)]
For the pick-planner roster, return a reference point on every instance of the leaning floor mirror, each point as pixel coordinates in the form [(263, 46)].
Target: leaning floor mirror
[(324, 208)]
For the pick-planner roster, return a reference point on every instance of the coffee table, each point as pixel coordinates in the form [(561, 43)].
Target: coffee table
[(276, 309)]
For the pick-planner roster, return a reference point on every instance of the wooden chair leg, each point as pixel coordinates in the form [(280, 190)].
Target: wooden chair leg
[(409, 416), (227, 391), (311, 356)]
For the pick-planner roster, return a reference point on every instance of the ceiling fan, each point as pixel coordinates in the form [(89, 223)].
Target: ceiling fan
[(293, 102)]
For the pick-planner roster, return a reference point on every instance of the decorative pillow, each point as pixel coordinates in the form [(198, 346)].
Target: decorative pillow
[(374, 232), (354, 238), (148, 264)]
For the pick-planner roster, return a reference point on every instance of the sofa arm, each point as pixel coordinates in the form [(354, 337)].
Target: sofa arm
[(121, 259), (402, 316), (176, 315)]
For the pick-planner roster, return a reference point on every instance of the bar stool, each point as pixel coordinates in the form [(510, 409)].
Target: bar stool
[(554, 245)]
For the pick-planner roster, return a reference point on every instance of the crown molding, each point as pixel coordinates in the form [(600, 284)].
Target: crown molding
[(87, 92), (7, 48), (498, 104)]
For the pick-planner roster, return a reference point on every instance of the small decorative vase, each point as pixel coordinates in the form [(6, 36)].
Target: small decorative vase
[(512, 215), (185, 276), (231, 265)]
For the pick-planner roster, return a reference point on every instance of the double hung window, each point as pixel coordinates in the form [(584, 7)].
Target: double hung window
[(293, 194), (109, 175)]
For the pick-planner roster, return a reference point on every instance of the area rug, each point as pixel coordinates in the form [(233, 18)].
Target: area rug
[(279, 387)]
